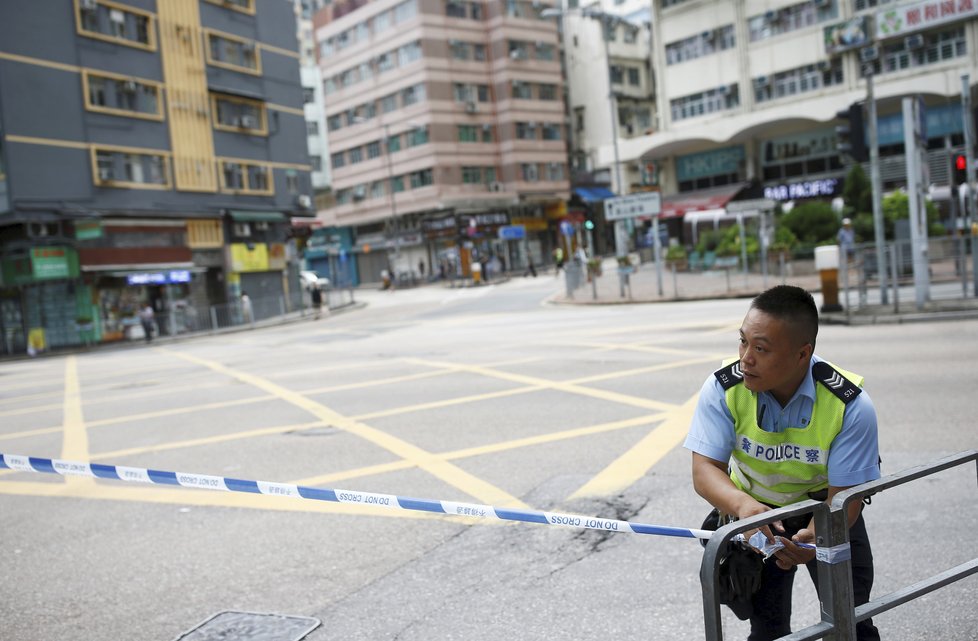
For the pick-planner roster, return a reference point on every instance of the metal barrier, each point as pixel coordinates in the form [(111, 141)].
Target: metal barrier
[(839, 615)]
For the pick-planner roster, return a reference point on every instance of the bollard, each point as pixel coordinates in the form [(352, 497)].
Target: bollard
[(827, 264), (476, 273)]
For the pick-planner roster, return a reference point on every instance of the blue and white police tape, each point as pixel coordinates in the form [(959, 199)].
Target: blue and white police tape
[(225, 484)]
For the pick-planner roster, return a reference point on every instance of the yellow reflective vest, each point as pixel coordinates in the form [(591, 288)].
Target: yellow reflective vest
[(781, 468)]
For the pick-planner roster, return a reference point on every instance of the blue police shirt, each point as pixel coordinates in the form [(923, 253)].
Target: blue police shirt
[(853, 457)]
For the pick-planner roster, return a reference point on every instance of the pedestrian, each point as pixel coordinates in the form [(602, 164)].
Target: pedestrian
[(316, 295), (246, 311), (146, 315), (558, 254), (421, 269), (846, 238), (778, 426)]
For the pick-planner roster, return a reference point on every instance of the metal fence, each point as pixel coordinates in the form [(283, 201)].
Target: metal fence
[(839, 616), (186, 319)]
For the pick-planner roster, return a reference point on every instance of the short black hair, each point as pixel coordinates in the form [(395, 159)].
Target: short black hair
[(793, 305)]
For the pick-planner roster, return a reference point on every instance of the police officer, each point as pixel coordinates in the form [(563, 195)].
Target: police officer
[(778, 426)]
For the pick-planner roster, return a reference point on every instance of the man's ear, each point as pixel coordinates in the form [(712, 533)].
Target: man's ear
[(806, 352)]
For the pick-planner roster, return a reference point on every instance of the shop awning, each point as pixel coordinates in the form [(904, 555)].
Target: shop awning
[(593, 194), (240, 216), (703, 200)]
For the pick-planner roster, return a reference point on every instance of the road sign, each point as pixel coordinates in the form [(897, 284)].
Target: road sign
[(512, 232), (645, 203), (757, 204)]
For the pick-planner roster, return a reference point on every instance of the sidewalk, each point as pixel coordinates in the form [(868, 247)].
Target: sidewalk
[(678, 286), (719, 284)]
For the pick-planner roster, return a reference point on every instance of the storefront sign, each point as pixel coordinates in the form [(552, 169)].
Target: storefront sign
[(276, 256), (249, 257), (922, 15), (531, 224), (439, 224), (42, 263), (159, 278), (812, 144), (804, 189), (847, 35), (709, 163), (88, 229), (512, 232), (489, 219)]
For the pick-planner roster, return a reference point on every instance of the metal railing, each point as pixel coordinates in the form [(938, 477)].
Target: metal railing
[(839, 616), (190, 320)]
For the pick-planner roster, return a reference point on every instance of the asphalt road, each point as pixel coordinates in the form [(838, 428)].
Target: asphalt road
[(484, 395)]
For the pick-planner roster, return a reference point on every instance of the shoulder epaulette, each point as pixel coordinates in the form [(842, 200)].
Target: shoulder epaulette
[(835, 382), (730, 375)]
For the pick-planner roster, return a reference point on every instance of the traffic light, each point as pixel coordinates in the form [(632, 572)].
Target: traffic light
[(850, 137), (960, 173), (589, 224)]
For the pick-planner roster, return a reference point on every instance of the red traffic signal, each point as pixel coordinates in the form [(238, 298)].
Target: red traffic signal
[(960, 162)]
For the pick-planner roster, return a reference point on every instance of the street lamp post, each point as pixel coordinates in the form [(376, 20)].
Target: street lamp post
[(607, 21)]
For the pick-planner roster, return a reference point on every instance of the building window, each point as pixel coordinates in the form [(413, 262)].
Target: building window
[(231, 52), (408, 54), (388, 103), (519, 50), (633, 77), (308, 95), (471, 175), (355, 156), (412, 95), (316, 162), (338, 159), (617, 73), (526, 131), (130, 168), (394, 143), (421, 178), (699, 104), (376, 189), (334, 122), (455, 9), (417, 136), (522, 90), (397, 184), (487, 133), (791, 18), (245, 177), (555, 171), (547, 92), (529, 172), (702, 44), (551, 131), (796, 81), (239, 115), (373, 149), (116, 23), (927, 50), (244, 6), (459, 50), (122, 96), (312, 128), (478, 52)]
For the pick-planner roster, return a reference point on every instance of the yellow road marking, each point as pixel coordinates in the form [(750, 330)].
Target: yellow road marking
[(454, 476), (637, 461), (646, 370), (570, 388), (481, 450), (74, 445)]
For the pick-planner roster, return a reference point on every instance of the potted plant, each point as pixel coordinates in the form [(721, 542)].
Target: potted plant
[(676, 257), (594, 267)]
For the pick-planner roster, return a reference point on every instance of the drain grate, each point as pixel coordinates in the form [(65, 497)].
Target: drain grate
[(251, 626)]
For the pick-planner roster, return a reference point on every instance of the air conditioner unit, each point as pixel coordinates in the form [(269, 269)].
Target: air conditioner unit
[(470, 107), (303, 201), (708, 35), (88, 5), (517, 54), (868, 54), (248, 122), (728, 89), (762, 81), (915, 41), (359, 192), (770, 16), (129, 86), (495, 186), (105, 174)]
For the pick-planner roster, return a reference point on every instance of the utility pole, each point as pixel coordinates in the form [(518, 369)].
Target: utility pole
[(969, 154), (877, 184)]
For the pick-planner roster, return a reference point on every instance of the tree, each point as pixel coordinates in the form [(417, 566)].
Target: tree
[(896, 206), (812, 222), (857, 192)]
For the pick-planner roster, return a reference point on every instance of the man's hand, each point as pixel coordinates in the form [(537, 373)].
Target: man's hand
[(749, 507), (792, 555)]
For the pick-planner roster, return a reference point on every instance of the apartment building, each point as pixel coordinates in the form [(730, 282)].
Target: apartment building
[(748, 93), (611, 89), (149, 152), (447, 132)]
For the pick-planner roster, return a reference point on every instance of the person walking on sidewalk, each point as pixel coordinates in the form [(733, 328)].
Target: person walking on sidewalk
[(778, 426), (146, 315)]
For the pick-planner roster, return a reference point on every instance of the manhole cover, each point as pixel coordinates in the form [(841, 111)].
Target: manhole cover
[(251, 626)]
